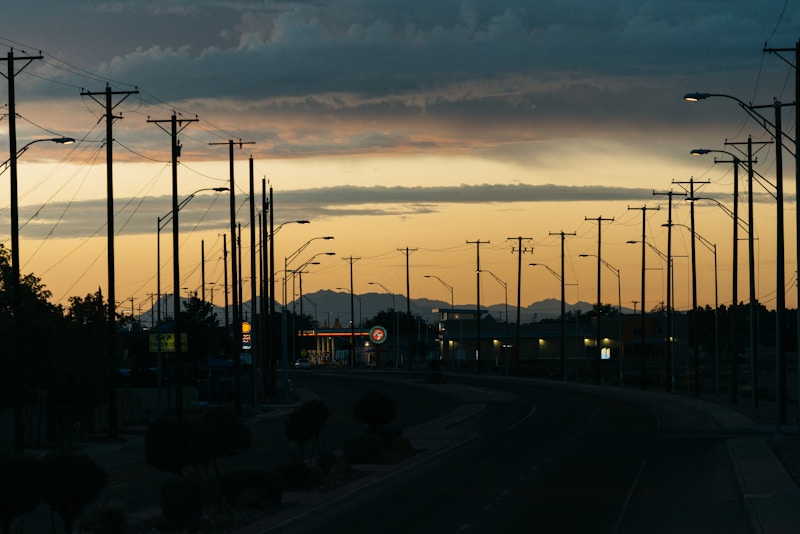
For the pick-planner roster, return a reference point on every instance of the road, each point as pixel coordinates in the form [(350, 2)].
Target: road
[(538, 458), (547, 460)]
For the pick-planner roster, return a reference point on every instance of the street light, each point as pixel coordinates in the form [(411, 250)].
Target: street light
[(560, 278), (16, 289), (776, 131), (452, 307), (269, 340), (286, 261), (751, 263), (299, 272), (619, 308), (713, 248), (159, 226), (505, 288)]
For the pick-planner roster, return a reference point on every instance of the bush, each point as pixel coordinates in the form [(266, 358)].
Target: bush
[(70, 482), (172, 445), (375, 409), (367, 449), (305, 423), (327, 461), (181, 504), (298, 476), (20, 478), (107, 519), (228, 435), (266, 486), (388, 434)]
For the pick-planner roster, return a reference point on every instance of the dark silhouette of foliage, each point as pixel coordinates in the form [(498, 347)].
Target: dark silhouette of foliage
[(364, 449), (20, 479), (181, 504), (228, 436), (69, 482), (172, 445), (265, 486), (374, 409), (306, 423)]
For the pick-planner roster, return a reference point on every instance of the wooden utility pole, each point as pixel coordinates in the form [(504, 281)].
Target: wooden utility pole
[(176, 126), (598, 355), (520, 250), (477, 244), (642, 359), (235, 342)]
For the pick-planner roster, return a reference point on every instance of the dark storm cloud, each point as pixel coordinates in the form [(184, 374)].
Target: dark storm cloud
[(137, 216)]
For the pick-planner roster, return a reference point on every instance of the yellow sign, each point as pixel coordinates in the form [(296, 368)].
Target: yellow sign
[(168, 342)]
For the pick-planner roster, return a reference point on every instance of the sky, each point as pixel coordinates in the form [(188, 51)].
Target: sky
[(434, 135)]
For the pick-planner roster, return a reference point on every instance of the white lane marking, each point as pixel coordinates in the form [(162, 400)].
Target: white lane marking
[(528, 416), (628, 497)]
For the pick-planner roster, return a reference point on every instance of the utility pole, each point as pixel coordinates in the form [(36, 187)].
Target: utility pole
[(255, 341), (111, 359), (781, 368), (351, 260), (691, 198), (670, 367), (520, 250), (16, 290), (477, 244), (642, 373), (266, 319), (236, 341), (563, 342), (176, 126), (407, 251), (598, 368)]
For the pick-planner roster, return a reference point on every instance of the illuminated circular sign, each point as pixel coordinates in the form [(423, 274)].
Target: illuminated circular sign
[(377, 334)]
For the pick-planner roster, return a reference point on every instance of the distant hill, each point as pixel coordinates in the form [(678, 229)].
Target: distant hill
[(326, 306)]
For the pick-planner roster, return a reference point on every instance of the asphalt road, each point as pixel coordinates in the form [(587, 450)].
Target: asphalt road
[(546, 460), (538, 459)]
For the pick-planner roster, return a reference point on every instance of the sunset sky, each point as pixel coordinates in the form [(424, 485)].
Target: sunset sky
[(393, 125)]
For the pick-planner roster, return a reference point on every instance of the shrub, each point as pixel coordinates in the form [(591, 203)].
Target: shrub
[(298, 476), (20, 478), (109, 518), (374, 409), (181, 504), (172, 445), (388, 434), (305, 423), (70, 482), (366, 449), (266, 486), (227, 434), (327, 461)]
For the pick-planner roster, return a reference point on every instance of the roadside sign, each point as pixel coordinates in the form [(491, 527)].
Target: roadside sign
[(377, 334)]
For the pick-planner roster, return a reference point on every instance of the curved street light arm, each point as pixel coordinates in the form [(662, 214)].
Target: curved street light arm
[(750, 109), (168, 217), (558, 276), (57, 140), (293, 256)]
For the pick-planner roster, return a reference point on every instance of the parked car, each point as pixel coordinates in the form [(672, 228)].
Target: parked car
[(302, 363)]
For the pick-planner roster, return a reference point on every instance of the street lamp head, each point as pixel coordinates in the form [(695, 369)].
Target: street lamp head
[(220, 189), (695, 97), (63, 140), (699, 152), (328, 237), (303, 221), (632, 242)]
